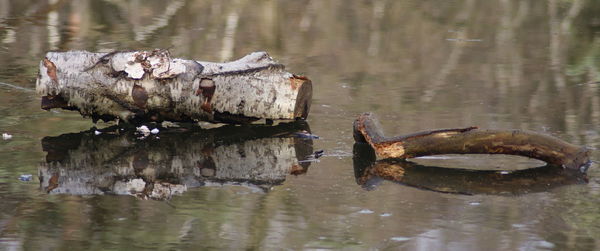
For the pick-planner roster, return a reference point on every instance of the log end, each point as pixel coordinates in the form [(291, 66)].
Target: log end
[(367, 129), (579, 160), (304, 96)]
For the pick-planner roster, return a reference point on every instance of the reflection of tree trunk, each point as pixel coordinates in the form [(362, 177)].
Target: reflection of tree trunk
[(558, 29), (143, 86), (510, 69), (231, 26), (368, 173), (375, 27), (53, 24), (160, 21), (471, 141), (453, 57), (85, 163)]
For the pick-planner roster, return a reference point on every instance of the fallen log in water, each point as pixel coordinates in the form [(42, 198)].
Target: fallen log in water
[(169, 163), (369, 173), (470, 140), (143, 86)]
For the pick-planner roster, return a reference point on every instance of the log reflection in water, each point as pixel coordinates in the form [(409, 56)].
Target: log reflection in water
[(369, 173), (159, 166)]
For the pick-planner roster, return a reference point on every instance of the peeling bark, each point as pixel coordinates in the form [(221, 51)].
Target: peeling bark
[(470, 140), (142, 86), (118, 162), (369, 173)]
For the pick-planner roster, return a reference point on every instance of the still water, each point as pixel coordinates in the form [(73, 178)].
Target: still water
[(418, 64)]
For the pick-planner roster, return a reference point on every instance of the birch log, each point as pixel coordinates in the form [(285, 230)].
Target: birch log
[(142, 86), (470, 140), (121, 162), (369, 173)]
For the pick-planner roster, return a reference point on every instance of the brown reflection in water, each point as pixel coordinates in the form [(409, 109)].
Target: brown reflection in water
[(169, 163), (369, 173)]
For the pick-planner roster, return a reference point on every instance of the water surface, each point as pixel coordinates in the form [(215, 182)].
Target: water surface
[(419, 65)]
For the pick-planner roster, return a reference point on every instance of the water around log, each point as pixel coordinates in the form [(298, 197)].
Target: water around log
[(419, 65)]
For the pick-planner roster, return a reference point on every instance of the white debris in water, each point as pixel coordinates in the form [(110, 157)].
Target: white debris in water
[(96, 132), (399, 238), (6, 136), (504, 172), (474, 203), (143, 130), (544, 244), (385, 215), (154, 131), (365, 211)]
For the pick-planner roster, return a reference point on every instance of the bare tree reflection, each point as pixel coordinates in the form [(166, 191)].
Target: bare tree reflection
[(157, 167)]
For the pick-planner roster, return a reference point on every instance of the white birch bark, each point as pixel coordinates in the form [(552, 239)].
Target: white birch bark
[(141, 86)]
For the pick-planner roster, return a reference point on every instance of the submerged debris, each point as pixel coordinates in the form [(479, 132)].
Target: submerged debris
[(365, 211), (6, 136), (143, 130)]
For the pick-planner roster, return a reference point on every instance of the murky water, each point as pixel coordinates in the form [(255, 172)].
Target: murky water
[(418, 64)]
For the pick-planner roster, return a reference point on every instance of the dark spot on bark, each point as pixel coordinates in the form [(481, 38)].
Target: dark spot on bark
[(242, 153), (51, 70), (207, 167), (140, 57), (207, 89), (140, 96), (241, 105), (118, 74)]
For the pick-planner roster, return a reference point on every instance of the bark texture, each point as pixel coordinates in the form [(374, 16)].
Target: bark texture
[(141, 86), (470, 140), (118, 162)]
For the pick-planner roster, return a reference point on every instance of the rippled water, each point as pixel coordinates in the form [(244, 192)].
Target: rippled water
[(418, 64)]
